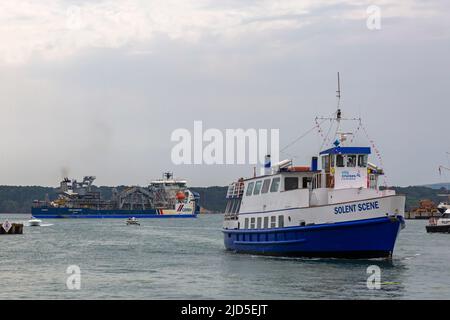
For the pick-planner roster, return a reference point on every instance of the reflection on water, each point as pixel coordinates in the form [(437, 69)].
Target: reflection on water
[(185, 259)]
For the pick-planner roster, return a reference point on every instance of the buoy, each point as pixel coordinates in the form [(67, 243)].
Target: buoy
[(180, 196)]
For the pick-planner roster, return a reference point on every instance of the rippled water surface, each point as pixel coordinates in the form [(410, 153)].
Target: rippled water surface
[(185, 259)]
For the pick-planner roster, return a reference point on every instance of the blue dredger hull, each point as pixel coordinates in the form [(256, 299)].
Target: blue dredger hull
[(372, 238), (83, 213)]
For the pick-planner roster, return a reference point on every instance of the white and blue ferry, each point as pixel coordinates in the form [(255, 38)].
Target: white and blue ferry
[(335, 210)]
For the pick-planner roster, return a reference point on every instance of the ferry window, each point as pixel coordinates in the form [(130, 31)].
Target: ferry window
[(246, 223), (306, 182), (257, 187), (325, 162), (273, 222), (258, 223), (340, 161), (231, 206), (280, 221), (332, 161), (227, 209), (351, 161), (290, 183), (275, 185), (250, 188), (236, 210), (266, 222), (362, 160), (252, 223), (266, 185)]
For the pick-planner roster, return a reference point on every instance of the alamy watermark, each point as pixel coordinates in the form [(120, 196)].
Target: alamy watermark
[(231, 146), (374, 280), (373, 21), (73, 281)]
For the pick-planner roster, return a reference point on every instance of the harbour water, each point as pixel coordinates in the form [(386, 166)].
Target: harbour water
[(185, 259)]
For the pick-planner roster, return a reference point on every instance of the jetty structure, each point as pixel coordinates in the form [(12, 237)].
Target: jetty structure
[(11, 228), (332, 208)]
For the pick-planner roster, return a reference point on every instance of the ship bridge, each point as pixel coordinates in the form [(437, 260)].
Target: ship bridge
[(344, 167)]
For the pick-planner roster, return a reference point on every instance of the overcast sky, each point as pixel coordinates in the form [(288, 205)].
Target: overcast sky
[(97, 87)]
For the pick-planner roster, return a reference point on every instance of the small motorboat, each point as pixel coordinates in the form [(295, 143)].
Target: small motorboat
[(33, 222), (133, 221), (441, 224)]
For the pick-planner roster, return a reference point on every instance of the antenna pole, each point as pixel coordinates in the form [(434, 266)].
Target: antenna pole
[(338, 112)]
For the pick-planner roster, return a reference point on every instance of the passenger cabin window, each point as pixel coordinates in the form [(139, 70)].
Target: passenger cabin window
[(266, 185), (275, 185), (362, 160), (250, 189), (252, 223), (290, 183), (246, 223), (258, 223), (257, 187), (351, 161), (273, 222), (266, 222), (340, 161), (280, 221)]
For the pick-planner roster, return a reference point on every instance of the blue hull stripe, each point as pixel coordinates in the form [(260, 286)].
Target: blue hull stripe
[(362, 238)]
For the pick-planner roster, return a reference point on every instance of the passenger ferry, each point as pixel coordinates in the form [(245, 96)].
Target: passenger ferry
[(336, 210)]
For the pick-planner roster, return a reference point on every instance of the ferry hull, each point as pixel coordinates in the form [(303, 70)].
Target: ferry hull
[(83, 213), (371, 238)]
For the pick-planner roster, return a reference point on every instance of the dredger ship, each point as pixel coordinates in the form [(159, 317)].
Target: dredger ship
[(162, 198)]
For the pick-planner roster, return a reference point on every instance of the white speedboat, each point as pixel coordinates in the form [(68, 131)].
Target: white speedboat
[(133, 221), (33, 222)]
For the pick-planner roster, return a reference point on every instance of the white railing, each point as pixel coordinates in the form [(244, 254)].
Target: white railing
[(235, 190)]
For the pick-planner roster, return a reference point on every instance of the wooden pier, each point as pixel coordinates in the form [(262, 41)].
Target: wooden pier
[(11, 228)]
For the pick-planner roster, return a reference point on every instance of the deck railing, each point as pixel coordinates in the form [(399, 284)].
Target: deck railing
[(235, 190)]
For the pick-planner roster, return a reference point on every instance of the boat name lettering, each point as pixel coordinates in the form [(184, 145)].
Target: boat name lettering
[(357, 208)]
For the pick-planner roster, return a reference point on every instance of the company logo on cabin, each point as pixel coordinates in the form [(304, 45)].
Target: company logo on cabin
[(350, 176)]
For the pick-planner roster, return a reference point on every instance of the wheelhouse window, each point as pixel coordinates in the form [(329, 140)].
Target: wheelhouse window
[(257, 187), (250, 189), (266, 185), (339, 161), (325, 162), (362, 160), (275, 185), (351, 161), (290, 183)]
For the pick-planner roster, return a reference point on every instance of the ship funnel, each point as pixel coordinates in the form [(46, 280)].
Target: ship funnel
[(314, 164)]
